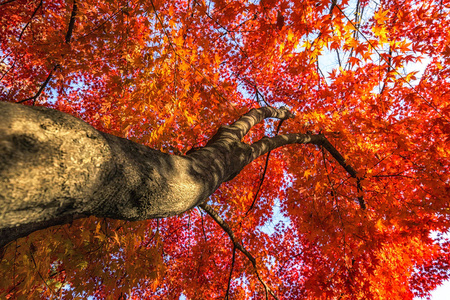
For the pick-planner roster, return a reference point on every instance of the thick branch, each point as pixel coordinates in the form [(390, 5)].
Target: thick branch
[(268, 144), (227, 154), (55, 168), (236, 244), (241, 127)]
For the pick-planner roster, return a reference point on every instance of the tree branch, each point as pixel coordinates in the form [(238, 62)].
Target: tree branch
[(72, 21), (97, 163), (264, 172), (341, 160), (31, 19), (6, 2), (39, 273), (41, 89), (236, 244), (231, 272), (241, 127), (67, 39), (228, 138), (267, 144)]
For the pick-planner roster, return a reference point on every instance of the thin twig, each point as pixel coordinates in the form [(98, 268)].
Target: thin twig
[(287, 260), (387, 71), (231, 272), (67, 39), (100, 25), (72, 21), (206, 207), (41, 89), (341, 160), (203, 226), (31, 19), (264, 172), (39, 273), (335, 196), (387, 62), (12, 67), (6, 2)]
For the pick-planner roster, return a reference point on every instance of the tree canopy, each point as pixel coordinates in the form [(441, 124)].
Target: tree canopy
[(370, 76)]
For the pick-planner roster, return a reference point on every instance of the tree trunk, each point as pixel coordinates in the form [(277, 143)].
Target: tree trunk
[(55, 168)]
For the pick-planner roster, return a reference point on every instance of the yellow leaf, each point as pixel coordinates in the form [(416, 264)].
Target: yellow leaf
[(307, 173), (290, 36)]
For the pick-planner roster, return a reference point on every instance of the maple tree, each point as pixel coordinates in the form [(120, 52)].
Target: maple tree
[(361, 213)]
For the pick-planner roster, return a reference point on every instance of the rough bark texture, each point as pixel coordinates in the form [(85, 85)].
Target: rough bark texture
[(55, 168)]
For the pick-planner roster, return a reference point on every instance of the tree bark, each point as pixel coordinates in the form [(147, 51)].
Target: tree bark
[(55, 168)]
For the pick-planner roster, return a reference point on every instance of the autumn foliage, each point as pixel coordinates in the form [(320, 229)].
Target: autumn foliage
[(373, 77)]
